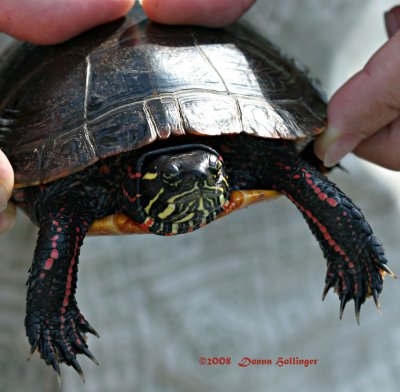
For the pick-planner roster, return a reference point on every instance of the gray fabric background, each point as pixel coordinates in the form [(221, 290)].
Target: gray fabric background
[(248, 285)]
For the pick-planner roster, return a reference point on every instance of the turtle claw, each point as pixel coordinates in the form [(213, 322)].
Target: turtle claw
[(357, 307), (328, 286), (343, 303), (91, 330), (56, 368), (388, 270), (375, 295), (87, 352), (77, 367)]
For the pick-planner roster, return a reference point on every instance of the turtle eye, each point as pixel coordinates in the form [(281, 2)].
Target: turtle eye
[(215, 166), (171, 175)]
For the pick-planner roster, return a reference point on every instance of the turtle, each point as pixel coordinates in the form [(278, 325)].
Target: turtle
[(139, 127)]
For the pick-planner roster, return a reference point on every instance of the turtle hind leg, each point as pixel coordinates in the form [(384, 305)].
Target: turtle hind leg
[(355, 257), (54, 324)]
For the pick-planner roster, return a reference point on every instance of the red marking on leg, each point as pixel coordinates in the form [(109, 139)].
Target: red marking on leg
[(322, 196), (296, 176), (331, 202), (70, 272), (48, 264), (55, 223), (331, 242), (132, 175), (55, 237), (54, 254), (132, 199)]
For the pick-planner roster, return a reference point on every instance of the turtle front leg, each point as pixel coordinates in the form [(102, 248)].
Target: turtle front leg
[(54, 324), (355, 257)]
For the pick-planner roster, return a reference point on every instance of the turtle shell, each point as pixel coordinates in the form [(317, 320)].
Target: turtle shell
[(129, 83)]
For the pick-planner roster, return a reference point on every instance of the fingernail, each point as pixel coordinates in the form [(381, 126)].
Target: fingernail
[(339, 148), (3, 198), (392, 20), (325, 140)]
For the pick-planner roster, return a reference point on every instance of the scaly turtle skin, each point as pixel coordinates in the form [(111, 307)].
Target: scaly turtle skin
[(165, 125)]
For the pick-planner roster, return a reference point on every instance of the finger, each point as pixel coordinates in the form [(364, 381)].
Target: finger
[(6, 181), (392, 21), (7, 218), (368, 102), (49, 21), (210, 13), (383, 147)]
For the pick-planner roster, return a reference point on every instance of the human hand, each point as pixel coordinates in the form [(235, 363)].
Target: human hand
[(47, 22), (211, 13), (364, 114)]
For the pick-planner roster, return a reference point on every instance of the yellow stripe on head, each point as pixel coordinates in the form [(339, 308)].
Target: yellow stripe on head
[(153, 200), (186, 218), (167, 212), (149, 176)]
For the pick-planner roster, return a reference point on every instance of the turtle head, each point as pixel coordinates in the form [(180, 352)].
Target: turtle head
[(181, 188)]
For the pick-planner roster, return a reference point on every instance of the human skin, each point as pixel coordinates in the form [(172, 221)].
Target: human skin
[(364, 114)]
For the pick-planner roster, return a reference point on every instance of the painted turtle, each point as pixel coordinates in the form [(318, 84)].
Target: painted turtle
[(163, 129)]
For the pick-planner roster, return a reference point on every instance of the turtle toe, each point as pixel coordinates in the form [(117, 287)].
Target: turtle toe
[(60, 338), (358, 277)]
